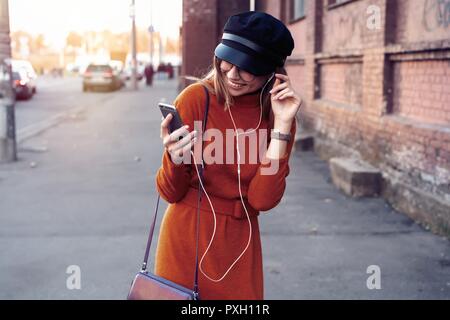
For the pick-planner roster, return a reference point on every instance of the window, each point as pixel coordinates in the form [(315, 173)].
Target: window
[(336, 3), (297, 9), (330, 2)]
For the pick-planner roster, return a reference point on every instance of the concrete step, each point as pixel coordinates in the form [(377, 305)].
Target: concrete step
[(304, 141), (355, 177)]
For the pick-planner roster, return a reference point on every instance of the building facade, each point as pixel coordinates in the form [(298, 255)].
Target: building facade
[(375, 79), (5, 48), (203, 21)]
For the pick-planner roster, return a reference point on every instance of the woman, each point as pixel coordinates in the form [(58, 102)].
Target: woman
[(247, 63)]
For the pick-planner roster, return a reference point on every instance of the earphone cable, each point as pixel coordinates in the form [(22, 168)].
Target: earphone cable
[(240, 193)]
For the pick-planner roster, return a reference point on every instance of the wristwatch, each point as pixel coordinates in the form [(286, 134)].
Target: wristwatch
[(280, 136)]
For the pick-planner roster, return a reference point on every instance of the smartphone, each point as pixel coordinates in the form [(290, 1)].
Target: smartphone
[(176, 121)]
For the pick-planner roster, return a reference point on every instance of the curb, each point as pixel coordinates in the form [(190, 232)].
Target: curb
[(38, 128)]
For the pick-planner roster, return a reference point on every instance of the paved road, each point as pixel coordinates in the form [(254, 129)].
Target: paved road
[(88, 198), (55, 96)]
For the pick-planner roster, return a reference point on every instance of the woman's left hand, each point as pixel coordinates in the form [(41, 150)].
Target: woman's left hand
[(285, 101)]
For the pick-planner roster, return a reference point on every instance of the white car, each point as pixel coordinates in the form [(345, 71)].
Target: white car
[(25, 67), (102, 76)]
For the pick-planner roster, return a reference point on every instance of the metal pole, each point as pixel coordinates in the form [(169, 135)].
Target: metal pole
[(151, 29), (151, 47), (8, 152), (133, 46)]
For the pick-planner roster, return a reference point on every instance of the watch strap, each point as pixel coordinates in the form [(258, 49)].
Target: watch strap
[(280, 136)]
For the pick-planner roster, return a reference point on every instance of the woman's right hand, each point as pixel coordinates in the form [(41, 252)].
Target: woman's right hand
[(178, 143)]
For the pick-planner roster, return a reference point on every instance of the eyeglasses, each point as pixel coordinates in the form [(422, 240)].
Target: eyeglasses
[(225, 66)]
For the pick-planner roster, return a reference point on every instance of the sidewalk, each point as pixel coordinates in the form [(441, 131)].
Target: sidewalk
[(319, 243), (89, 198)]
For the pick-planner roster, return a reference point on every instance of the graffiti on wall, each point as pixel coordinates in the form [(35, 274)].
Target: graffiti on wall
[(436, 14), (350, 26)]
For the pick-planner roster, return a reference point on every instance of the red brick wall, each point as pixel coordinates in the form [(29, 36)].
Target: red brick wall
[(341, 82), (271, 7), (297, 72), (422, 91), (343, 27), (295, 66), (422, 20), (382, 93), (298, 31), (199, 35)]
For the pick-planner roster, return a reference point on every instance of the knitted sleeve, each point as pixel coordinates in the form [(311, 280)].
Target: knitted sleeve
[(267, 187), (173, 180)]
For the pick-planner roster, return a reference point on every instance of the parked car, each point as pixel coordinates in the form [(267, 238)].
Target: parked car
[(101, 76), (118, 68), (141, 63), (128, 73), (25, 69), (22, 85)]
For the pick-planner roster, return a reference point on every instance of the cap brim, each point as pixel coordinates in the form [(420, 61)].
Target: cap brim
[(243, 61)]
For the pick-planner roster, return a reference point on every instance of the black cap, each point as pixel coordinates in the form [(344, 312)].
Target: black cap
[(255, 42)]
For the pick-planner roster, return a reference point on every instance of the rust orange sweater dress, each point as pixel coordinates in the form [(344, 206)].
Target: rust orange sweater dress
[(178, 185)]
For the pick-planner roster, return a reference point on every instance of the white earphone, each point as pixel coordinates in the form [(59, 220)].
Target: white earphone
[(240, 191)]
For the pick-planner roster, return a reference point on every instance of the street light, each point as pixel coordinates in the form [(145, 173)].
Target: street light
[(132, 10), (151, 29), (133, 46)]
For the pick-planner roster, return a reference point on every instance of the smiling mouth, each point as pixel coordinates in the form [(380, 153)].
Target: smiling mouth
[(235, 85)]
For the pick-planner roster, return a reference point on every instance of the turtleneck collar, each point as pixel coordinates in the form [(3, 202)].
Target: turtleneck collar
[(250, 100)]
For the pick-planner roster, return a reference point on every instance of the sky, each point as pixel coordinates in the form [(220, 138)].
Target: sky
[(55, 18)]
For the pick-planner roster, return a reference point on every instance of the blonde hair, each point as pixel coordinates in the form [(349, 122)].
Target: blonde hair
[(214, 81)]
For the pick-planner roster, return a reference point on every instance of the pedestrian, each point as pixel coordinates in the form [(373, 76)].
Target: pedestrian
[(148, 71), (170, 70), (249, 90)]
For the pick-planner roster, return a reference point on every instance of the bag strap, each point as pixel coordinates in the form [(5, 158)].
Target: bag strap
[(200, 168), (152, 227)]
